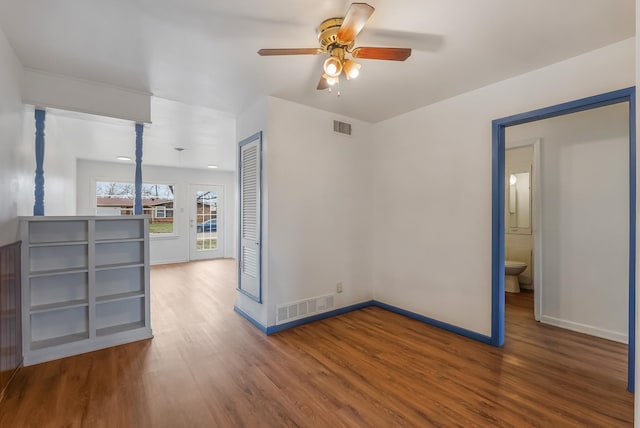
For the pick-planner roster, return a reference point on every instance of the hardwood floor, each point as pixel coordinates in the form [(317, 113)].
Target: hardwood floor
[(208, 367)]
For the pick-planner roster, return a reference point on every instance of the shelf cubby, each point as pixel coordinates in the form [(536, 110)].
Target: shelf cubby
[(113, 313), (119, 229), (112, 282), (54, 325), (68, 231), (52, 289), (119, 328), (119, 253), (58, 341), (57, 259)]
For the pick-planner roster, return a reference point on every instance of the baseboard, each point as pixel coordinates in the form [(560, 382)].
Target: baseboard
[(86, 345), (249, 318), (585, 328), (276, 328), (443, 325), (357, 306)]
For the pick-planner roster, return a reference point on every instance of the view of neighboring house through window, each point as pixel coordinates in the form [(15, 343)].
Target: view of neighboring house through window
[(118, 198)]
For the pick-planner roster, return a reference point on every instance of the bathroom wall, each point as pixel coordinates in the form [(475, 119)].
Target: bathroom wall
[(585, 219), (519, 246)]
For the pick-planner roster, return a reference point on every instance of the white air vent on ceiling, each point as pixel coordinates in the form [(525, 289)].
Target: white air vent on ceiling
[(296, 310), (341, 127)]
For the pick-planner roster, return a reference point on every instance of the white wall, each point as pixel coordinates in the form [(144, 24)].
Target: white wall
[(59, 166), (320, 203), (427, 256), (11, 176), (317, 201), (163, 249), (68, 93), (585, 219)]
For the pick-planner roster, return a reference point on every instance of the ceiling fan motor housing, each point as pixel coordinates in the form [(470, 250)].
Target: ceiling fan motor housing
[(328, 35)]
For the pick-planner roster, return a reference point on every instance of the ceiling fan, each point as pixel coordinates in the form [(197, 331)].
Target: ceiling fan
[(337, 38)]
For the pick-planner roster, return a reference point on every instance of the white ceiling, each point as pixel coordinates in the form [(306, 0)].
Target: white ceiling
[(206, 135), (203, 52)]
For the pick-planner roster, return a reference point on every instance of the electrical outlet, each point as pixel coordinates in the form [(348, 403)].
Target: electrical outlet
[(339, 287)]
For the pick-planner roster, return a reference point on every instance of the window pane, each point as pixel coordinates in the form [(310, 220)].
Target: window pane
[(117, 198)]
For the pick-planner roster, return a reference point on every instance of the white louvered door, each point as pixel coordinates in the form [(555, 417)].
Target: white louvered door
[(249, 258)]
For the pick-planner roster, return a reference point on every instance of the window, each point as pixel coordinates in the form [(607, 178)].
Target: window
[(118, 198), (164, 212)]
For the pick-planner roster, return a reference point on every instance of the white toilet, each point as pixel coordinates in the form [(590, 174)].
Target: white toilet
[(512, 269)]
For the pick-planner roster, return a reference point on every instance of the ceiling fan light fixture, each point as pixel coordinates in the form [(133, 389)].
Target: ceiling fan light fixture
[(351, 69), (330, 79), (332, 66), (337, 37)]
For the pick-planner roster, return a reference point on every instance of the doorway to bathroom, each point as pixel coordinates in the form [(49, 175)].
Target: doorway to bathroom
[(522, 175), (583, 173)]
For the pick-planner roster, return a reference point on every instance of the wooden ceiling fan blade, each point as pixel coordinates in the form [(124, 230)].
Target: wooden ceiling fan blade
[(294, 51), (322, 84), (389, 54), (357, 15)]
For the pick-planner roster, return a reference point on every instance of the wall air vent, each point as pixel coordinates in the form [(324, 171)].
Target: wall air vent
[(343, 128), (301, 309)]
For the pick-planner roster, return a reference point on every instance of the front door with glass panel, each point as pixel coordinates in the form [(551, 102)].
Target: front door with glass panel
[(205, 222)]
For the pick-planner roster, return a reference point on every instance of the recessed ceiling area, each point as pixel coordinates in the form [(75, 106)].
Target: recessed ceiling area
[(206, 136)]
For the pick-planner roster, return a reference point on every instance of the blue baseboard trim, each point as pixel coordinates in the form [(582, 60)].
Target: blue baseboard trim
[(248, 317), (277, 328), (443, 325)]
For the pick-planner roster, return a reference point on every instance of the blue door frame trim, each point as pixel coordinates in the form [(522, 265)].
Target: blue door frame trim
[(497, 206), (258, 298)]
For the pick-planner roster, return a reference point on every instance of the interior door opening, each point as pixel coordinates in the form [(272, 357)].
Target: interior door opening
[(498, 207)]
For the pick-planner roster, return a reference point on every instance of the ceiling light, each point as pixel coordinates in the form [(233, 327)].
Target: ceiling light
[(330, 80), (124, 158), (332, 66), (351, 69), (212, 166), (513, 179)]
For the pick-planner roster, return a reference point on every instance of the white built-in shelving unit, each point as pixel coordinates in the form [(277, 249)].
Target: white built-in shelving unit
[(85, 284)]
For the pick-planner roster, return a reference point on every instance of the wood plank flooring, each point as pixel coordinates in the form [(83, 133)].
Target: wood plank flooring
[(208, 367)]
